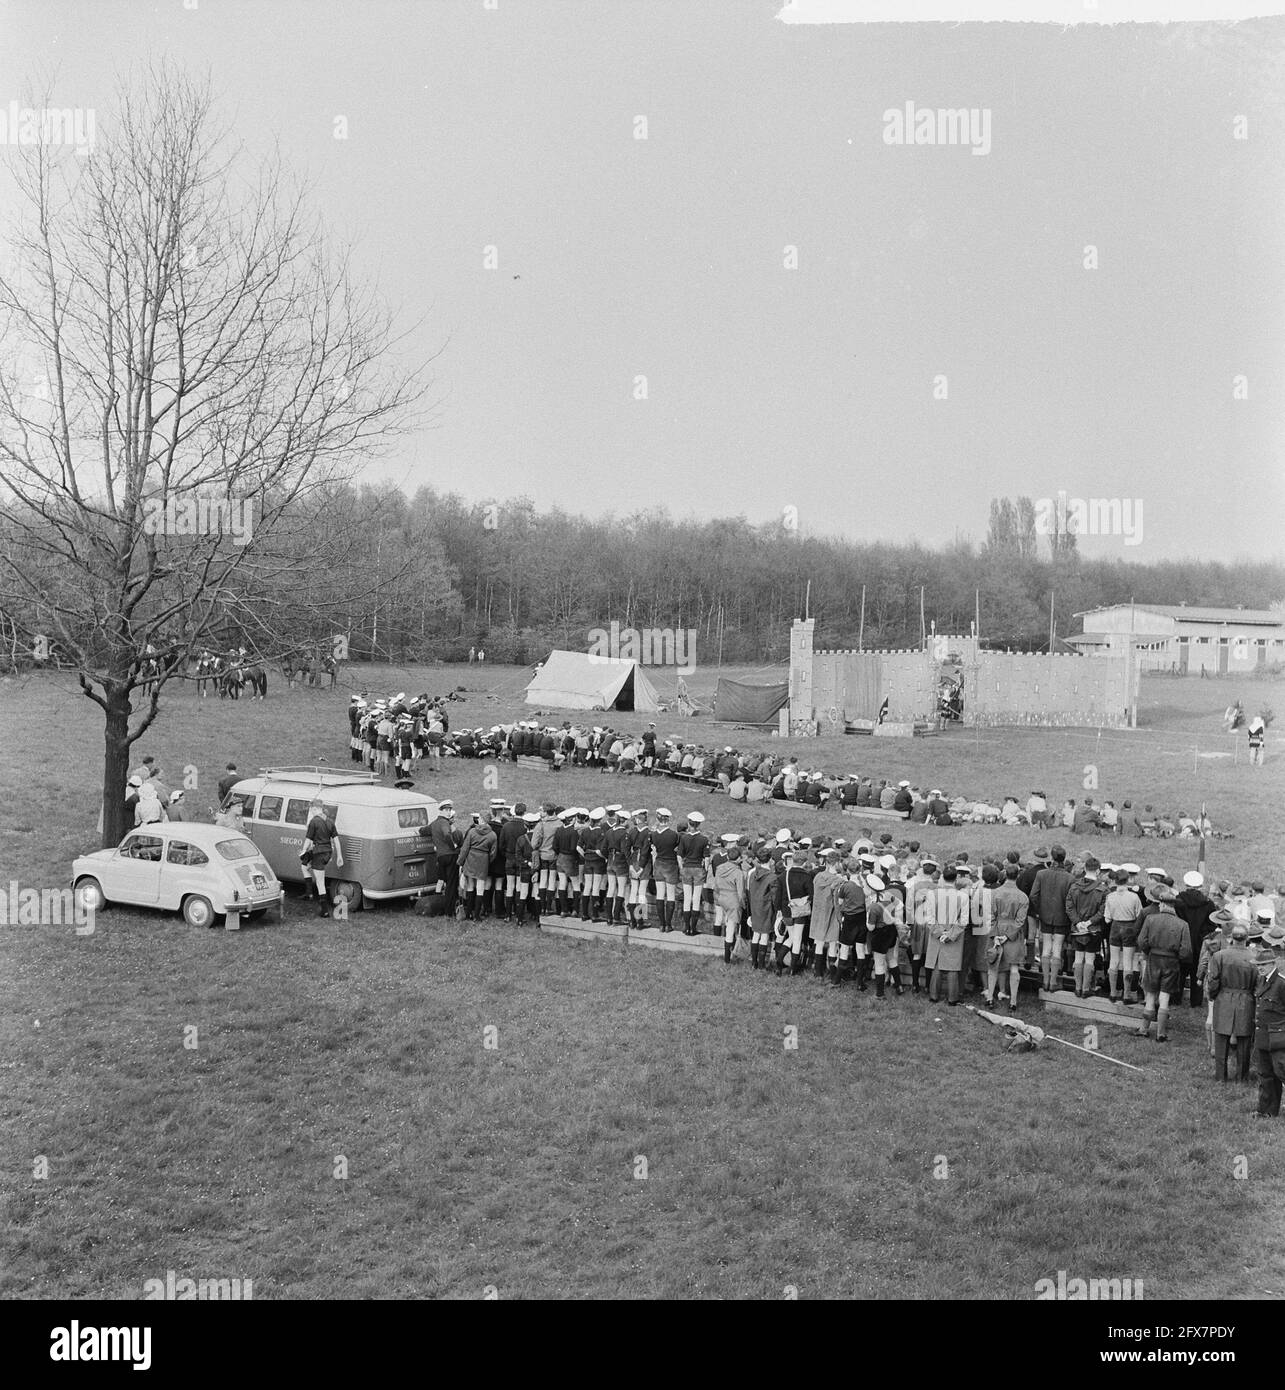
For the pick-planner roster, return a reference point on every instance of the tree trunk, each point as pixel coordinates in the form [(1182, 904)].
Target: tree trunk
[(115, 765)]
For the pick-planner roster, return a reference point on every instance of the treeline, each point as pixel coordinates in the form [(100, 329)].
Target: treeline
[(423, 577), (517, 580)]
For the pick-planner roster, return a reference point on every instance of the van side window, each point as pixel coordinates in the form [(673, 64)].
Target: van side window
[(270, 808), (296, 811), (246, 801)]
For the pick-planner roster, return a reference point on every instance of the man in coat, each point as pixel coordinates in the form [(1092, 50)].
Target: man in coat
[(446, 843), (760, 890), (946, 939), (1166, 943), (1269, 1023), (1232, 980), (825, 921), (1048, 903), (1195, 908)]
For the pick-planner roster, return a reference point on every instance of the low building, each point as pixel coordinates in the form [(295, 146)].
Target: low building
[(1183, 638)]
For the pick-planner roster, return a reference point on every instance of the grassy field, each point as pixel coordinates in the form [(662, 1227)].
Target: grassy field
[(896, 1151)]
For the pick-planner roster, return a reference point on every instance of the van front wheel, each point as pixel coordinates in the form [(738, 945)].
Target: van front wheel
[(350, 893)]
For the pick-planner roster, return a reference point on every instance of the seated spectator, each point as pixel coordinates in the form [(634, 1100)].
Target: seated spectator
[(887, 795), (902, 800), (1037, 808), (1084, 819), (919, 807), (756, 789), (1108, 818), (1067, 818), (737, 787), (1129, 823)]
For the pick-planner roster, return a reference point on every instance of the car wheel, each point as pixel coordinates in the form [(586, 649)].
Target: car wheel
[(198, 911), (89, 896), (350, 893)]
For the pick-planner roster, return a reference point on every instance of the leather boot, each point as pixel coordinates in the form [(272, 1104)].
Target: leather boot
[(819, 965), (727, 952), (879, 994), (1148, 1018), (1162, 1026)]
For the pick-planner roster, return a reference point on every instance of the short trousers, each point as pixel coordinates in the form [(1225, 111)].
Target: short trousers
[(1163, 975), (1124, 933), (1014, 952), (568, 864), (693, 875), (666, 871), (852, 930)]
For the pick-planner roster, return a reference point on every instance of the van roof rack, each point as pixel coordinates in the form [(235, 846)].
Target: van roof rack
[(325, 776)]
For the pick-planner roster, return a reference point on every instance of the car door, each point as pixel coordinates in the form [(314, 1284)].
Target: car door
[(186, 870), (134, 874)]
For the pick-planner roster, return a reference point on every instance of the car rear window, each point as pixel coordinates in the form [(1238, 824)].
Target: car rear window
[(269, 808), (410, 816), (237, 849)]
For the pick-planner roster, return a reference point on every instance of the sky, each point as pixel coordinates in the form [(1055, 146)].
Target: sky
[(647, 338)]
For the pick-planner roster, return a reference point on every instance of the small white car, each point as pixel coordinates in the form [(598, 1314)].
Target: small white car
[(206, 871)]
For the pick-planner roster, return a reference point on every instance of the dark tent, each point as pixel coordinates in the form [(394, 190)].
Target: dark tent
[(739, 703)]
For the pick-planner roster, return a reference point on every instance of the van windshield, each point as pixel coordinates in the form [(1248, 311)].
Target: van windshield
[(410, 816)]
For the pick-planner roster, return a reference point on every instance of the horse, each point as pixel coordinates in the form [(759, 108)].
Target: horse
[(235, 676)]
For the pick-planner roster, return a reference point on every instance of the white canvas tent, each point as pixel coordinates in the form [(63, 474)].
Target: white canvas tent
[(576, 680)]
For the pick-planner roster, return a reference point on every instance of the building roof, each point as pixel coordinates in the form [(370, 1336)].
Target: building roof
[(1257, 617)]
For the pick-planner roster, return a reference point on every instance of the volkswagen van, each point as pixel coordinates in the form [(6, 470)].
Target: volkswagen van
[(380, 853)]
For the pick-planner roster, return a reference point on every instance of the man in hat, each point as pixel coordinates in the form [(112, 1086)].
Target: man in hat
[(730, 892), (1085, 900), (946, 933), (884, 914), (544, 868), (446, 843), (510, 863), (648, 761), (693, 853), (1269, 1022), (1166, 943), (793, 910), (1120, 912), (1008, 944), (1232, 980), (665, 868), (760, 893), (1219, 936), (638, 855), (825, 919), (593, 855), (1195, 908), (1048, 903)]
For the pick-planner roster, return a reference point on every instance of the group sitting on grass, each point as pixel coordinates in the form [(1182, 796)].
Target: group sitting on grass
[(397, 736)]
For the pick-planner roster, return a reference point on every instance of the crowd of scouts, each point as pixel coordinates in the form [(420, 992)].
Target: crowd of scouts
[(866, 912), (397, 736)]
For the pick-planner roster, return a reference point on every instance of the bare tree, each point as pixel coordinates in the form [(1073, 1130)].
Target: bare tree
[(191, 363)]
